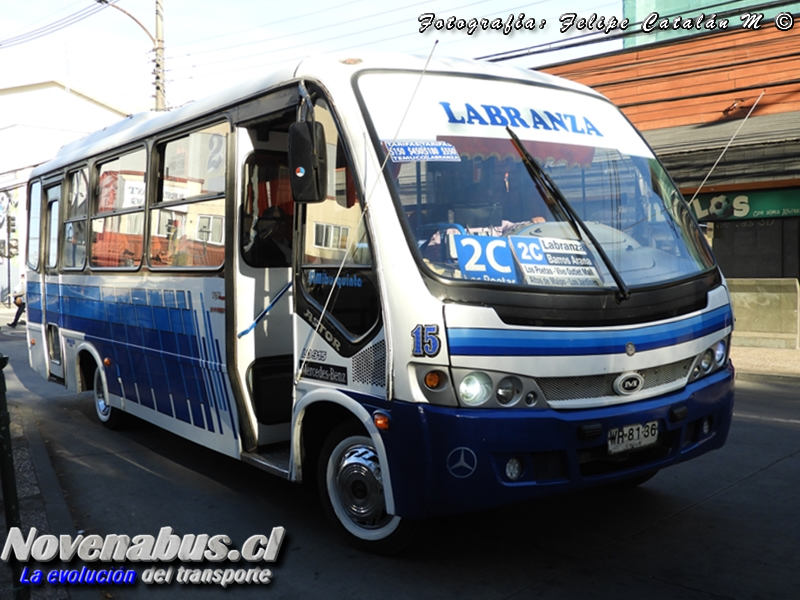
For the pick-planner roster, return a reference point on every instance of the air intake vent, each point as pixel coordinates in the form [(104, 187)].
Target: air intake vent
[(369, 365)]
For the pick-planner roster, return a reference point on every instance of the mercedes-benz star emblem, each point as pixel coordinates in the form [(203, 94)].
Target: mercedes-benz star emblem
[(461, 462)]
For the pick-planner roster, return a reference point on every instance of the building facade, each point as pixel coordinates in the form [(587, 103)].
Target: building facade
[(35, 121), (722, 111)]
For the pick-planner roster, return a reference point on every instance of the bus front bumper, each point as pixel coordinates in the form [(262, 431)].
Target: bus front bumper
[(448, 460)]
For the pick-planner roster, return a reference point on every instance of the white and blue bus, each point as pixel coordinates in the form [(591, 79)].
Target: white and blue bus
[(430, 287)]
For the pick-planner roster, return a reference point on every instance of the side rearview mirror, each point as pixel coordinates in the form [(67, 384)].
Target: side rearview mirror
[(308, 161)]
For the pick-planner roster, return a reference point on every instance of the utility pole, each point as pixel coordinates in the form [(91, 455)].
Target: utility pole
[(11, 248), (5, 201), (158, 48)]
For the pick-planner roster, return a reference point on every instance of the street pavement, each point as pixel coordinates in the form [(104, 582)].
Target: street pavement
[(42, 503)]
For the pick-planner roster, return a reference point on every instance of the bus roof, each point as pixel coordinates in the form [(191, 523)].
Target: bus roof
[(325, 68)]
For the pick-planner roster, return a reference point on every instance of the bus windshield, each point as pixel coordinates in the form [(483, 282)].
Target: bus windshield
[(473, 209)]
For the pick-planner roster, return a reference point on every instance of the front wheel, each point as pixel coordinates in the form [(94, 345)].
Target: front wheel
[(353, 496), (111, 417)]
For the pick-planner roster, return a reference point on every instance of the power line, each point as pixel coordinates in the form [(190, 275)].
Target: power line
[(55, 25), (357, 34), (597, 37), (271, 24), (309, 31), (294, 58), (49, 17), (497, 14)]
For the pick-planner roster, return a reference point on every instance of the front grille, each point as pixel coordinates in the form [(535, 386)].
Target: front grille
[(559, 391)]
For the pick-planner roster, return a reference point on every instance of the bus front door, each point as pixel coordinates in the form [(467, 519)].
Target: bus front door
[(263, 282)]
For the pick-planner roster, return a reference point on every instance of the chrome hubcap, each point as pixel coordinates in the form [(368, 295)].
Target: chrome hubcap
[(359, 484), (100, 398)]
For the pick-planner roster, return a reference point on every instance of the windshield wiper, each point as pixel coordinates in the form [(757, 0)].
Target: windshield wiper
[(552, 195)]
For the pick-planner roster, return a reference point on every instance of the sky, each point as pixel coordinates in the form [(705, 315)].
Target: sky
[(210, 45)]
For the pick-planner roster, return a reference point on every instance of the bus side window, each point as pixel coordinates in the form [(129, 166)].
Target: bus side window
[(73, 253), (118, 216), (267, 211), (34, 224), (187, 221), (51, 249)]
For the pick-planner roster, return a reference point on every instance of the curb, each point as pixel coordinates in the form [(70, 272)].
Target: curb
[(58, 514), (773, 378), (41, 499)]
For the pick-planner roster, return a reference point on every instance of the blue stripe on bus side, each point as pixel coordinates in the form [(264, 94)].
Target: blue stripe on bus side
[(470, 341), (216, 372), (33, 301), (153, 337), (204, 374)]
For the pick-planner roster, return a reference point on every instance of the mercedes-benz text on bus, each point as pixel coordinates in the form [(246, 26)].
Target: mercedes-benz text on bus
[(429, 287)]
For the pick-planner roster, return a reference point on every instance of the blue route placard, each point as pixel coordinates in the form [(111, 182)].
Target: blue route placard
[(485, 258)]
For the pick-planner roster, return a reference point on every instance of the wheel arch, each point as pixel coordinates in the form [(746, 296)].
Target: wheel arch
[(88, 359), (316, 415)]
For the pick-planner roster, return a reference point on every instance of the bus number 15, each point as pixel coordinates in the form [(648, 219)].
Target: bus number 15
[(426, 340)]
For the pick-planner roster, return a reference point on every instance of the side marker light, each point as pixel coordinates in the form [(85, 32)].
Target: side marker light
[(381, 420)]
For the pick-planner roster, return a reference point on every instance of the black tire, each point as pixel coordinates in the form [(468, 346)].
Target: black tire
[(352, 494), (110, 417)]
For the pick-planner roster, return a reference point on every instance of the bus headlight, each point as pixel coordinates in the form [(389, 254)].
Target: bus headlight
[(707, 361), (493, 389), (475, 389), (712, 359), (721, 352), (508, 391)]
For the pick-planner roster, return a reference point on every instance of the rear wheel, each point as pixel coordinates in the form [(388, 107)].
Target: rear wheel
[(353, 495), (111, 417)]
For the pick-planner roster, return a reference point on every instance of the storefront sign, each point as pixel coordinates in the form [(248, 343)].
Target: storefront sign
[(760, 204)]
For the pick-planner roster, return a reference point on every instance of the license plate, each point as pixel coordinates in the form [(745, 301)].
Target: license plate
[(629, 437)]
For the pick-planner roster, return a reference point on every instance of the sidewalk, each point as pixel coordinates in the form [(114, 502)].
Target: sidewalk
[(761, 364)]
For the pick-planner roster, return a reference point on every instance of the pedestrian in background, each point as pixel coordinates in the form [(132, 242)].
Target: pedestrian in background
[(19, 300)]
